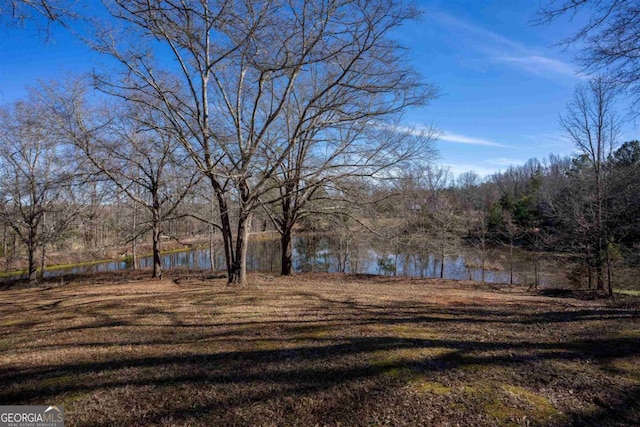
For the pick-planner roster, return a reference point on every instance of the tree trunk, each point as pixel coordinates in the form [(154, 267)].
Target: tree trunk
[(4, 240), (31, 255), (42, 261), (227, 234), (444, 251), (43, 247), (157, 265), (434, 267), (286, 240), (156, 232), (212, 253), (484, 267), (395, 258), (609, 274), (134, 254), (286, 245), (238, 274), (12, 251), (134, 242), (345, 256), (599, 276), (600, 225)]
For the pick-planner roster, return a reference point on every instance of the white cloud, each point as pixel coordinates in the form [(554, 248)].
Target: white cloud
[(454, 138), (542, 65), (484, 39), (501, 49), (463, 139)]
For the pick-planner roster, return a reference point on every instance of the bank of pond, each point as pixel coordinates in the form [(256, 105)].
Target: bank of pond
[(324, 253)]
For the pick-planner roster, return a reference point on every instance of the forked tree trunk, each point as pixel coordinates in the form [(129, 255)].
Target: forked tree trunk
[(227, 235)]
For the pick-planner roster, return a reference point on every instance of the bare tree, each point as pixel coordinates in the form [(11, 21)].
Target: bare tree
[(624, 191), (201, 205), (482, 242), (323, 164), (127, 144), (36, 176), (239, 64), (608, 40), (467, 184), (592, 125), (510, 233), (50, 10), (442, 209)]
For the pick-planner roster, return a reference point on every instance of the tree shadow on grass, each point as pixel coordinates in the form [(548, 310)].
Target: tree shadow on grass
[(621, 410), (237, 380), (334, 361)]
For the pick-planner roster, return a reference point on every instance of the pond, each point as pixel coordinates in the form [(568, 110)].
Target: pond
[(332, 254)]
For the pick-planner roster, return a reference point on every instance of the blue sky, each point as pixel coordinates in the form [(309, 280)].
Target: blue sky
[(503, 83)]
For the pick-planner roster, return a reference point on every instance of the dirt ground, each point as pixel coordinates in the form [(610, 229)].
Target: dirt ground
[(317, 349)]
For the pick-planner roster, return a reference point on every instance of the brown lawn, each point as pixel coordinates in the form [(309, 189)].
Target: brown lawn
[(318, 350)]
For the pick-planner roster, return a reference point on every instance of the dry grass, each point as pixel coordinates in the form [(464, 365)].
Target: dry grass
[(318, 350)]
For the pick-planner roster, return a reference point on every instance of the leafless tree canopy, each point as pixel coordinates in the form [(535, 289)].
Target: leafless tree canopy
[(44, 12), (125, 143), (609, 41), (592, 125), (37, 175), (242, 84)]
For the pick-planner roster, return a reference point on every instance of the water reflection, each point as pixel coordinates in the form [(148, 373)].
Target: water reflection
[(334, 254), (327, 254)]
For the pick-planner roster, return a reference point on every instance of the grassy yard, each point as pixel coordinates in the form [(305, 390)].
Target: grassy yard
[(318, 350)]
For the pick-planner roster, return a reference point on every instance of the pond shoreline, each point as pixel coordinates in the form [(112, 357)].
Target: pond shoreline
[(323, 252)]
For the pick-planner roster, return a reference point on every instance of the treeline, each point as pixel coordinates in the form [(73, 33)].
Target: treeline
[(563, 205), (585, 205), (81, 176), (549, 205), (544, 205)]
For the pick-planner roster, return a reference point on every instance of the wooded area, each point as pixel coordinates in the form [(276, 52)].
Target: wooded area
[(218, 118)]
